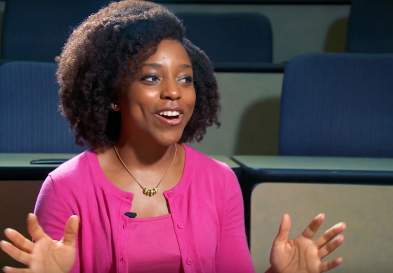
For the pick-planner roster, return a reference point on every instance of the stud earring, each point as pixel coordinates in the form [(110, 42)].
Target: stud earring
[(114, 107)]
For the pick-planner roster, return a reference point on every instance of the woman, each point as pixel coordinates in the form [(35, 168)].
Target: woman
[(135, 89)]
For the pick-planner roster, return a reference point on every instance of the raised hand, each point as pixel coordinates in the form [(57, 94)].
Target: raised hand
[(42, 254), (303, 254)]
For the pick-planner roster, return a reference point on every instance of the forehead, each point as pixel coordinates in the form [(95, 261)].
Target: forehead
[(169, 51)]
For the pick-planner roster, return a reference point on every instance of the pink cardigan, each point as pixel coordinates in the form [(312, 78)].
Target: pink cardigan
[(206, 209)]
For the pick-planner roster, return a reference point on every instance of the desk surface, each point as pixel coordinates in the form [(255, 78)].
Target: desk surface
[(19, 166), (24, 160), (323, 169), (320, 163)]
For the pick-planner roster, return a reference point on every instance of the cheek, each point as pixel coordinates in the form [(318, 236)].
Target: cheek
[(132, 113), (140, 103), (191, 101)]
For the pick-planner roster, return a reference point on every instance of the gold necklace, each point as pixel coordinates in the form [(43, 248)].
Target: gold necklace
[(145, 191)]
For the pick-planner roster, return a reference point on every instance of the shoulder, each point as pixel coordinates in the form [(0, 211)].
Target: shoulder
[(69, 182), (205, 162), (213, 180), (211, 169), (62, 188), (73, 170)]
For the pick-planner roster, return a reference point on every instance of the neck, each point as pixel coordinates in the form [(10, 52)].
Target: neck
[(143, 153)]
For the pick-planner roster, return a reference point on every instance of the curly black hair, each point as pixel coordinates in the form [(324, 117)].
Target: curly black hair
[(112, 44)]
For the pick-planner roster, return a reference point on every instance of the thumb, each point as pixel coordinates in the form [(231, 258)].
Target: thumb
[(71, 230), (285, 227)]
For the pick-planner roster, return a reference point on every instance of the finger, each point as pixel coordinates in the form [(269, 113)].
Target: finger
[(330, 234), (331, 246), (314, 225), (19, 240), (285, 227), (329, 265), (15, 253), (71, 230), (8, 269), (34, 227)]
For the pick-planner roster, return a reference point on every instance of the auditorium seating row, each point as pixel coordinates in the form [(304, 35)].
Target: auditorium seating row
[(37, 30), (331, 105)]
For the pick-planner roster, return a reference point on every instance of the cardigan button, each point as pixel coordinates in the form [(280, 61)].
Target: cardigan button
[(189, 261), (180, 225), (122, 260)]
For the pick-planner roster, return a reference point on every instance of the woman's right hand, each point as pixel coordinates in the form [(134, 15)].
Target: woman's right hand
[(42, 254)]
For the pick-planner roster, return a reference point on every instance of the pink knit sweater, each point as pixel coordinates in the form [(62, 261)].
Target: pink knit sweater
[(206, 210)]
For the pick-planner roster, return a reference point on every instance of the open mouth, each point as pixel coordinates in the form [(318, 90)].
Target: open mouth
[(170, 117)]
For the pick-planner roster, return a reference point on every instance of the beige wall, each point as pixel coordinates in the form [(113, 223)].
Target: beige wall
[(249, 115)]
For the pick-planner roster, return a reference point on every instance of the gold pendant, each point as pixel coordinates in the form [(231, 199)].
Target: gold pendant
[(149, 192)]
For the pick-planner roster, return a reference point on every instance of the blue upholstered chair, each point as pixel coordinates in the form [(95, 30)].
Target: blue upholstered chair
[(370, 27), (29, 117), (231, 37), (337, 105), (37, 30)]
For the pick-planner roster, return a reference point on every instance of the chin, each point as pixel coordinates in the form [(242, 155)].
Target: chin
[(168, 139)]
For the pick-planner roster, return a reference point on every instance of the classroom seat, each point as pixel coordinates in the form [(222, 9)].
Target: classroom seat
[(29, 118), (370, 26), (37, 30), (230, 38), (337, 105)]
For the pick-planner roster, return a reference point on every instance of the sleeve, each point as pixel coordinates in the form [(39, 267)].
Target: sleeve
[(233, 255), (53, 212)]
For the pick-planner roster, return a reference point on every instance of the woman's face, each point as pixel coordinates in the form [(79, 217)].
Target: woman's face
[(158, 103)]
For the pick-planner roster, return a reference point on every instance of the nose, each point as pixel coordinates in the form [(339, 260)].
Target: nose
[(171, 90)]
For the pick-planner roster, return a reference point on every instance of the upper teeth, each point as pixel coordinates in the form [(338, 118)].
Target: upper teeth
[(169, 113)]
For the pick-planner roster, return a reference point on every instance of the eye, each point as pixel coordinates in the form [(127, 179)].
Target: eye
[(186, 80), (150, 78)]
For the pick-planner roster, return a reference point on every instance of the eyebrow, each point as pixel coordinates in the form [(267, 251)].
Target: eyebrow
[(157, 65)]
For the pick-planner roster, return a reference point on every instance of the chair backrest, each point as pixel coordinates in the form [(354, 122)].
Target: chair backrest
[(29, 117), (370, 28), (37, 30), (337, 105), (240, 37)]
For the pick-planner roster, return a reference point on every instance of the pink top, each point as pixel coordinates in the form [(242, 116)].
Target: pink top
[(206, 211), (155, 236)]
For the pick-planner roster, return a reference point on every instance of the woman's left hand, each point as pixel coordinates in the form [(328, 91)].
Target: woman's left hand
[(304, 254)]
